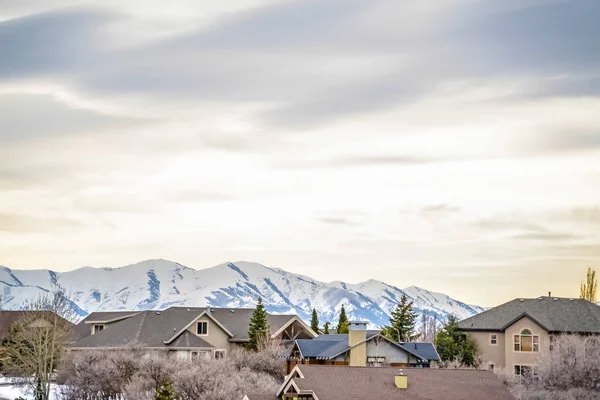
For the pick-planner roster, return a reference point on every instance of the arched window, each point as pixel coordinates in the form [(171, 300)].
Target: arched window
[(526, 341)]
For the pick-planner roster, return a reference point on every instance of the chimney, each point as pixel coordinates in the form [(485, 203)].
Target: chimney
[(401, 380), (549, 294), (357, 333)]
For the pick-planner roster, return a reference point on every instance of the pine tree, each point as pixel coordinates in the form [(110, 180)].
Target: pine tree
[(259, 329), (453, 345), (589, 288), (314, 321), (165, 391), (402, 322), (326, 328), (342, 322)]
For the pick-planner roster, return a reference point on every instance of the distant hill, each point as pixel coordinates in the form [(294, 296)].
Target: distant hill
[(158, 284)]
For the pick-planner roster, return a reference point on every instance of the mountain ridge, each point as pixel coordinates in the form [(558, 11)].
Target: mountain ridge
[(159, 283)]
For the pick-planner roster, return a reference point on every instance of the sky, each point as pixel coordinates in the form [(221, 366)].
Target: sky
[(452, 145)]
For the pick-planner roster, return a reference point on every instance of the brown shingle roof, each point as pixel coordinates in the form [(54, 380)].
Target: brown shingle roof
[(359, 383)]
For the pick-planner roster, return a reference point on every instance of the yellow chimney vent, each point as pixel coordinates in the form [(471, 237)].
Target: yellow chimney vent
[(401, 381)]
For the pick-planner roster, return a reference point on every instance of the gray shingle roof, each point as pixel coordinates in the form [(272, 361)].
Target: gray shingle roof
[(188, 339), (359, 383), (551, 313), (84, 329), (152, 328)]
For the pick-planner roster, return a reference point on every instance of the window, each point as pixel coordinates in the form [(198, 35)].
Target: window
[(525, 371), (97, 328), (526, 342), (220, 354), (202, 328), (493, 340), (194, 355), (375, 360)]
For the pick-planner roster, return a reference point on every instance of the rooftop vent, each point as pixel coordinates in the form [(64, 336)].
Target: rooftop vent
[(521, 300), (571, 299), (556, 299), (540, 298), (187, 309), (231, 311), (158, 313)]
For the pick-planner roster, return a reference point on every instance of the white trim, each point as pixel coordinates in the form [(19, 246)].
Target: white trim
[(224, 353), (520, 351), (202, 322), (295, 318), (192, 322), (94, 328), (296, 369), (108, 321)]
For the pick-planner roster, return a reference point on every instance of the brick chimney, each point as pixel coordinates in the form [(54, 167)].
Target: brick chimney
[(357, 334)]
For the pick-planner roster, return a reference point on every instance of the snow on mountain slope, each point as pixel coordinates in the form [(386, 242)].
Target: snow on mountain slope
[(157, 284)]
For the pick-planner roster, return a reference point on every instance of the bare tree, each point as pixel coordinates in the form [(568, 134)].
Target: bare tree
[(589, 289), (428, 329), (571, 370), (36, 342)]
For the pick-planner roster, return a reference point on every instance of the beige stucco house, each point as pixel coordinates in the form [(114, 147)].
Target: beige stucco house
[(511, 337), (185, 333)]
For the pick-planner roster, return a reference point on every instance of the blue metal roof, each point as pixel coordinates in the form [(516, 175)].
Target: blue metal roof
[(425, 351), (327, 346)]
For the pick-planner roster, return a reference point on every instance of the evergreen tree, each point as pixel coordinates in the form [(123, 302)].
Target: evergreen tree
[(453, 345), (314, 321), (402, 322), (342, 322), (589, 288), (259, 328), (326, 328), (165, 391)]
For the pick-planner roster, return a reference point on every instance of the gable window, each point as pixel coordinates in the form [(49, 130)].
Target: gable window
[(97, 328), (493, 340), (202, 328), (526, 342), (220, 354)]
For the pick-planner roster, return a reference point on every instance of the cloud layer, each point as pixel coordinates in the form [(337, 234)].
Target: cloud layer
[(447, 142)]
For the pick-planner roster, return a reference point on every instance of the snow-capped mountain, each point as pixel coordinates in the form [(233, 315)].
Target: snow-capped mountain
[(158, 284)]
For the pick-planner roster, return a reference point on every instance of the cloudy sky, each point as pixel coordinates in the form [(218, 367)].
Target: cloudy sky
[(453, 144)]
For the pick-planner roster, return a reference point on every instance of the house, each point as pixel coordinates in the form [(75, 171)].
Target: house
[(33, 318), (323, 382), (360, 348), (512, 335), (185, 332)]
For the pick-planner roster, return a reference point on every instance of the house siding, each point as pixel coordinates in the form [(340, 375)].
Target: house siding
[(492, 354), (216, 336), (392, 354), (524, 358), (503, 355)]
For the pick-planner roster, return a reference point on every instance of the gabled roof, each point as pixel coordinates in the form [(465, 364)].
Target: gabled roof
[(423, 350), (331, 346), (164, 328), (551, 313), (83, 328), (7, 318), (354, 383)]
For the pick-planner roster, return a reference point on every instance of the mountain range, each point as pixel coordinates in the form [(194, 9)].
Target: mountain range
[(158, 284)]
